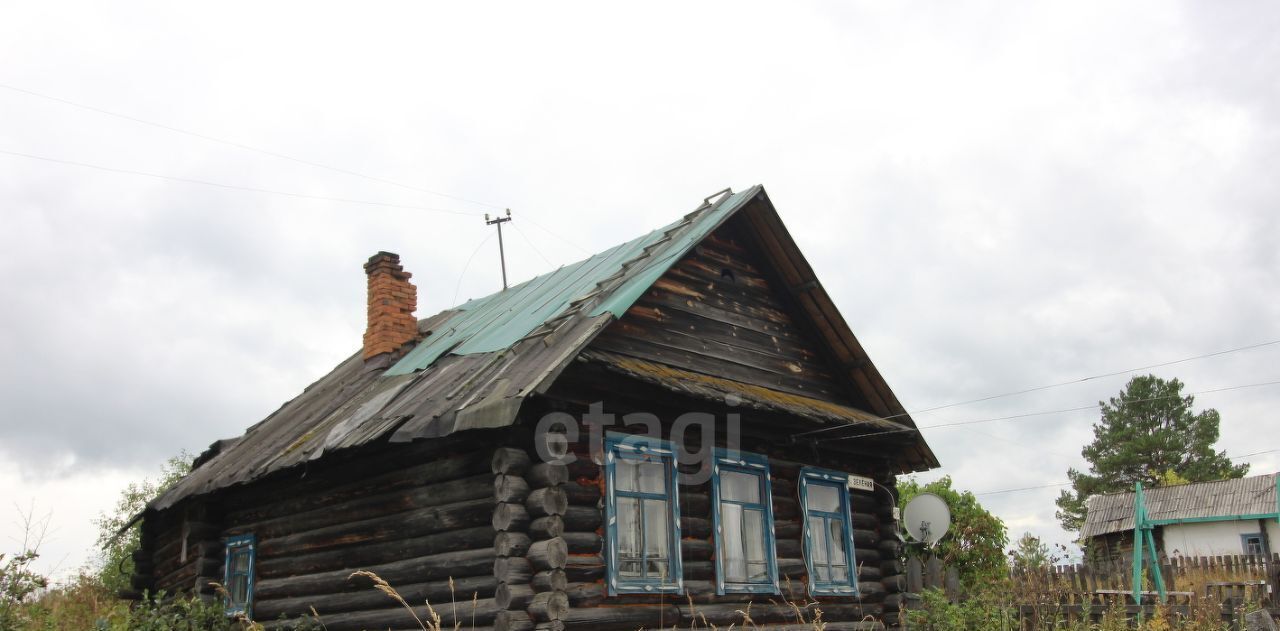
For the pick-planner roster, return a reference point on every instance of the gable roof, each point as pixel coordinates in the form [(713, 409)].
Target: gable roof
[(479, 361), (1243, 497)]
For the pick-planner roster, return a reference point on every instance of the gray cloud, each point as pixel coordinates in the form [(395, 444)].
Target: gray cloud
[(997, 199)]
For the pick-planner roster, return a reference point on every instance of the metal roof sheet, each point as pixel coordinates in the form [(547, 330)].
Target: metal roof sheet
[(1254, 495), (479, 361), (498, 321), (477, 364)]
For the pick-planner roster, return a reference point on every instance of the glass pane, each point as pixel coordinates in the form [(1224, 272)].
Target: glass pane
[(628, 536), (658, 570), (740, 487), (753, 535), (837, 541), (818, 544), (239, 561), (653, 477), (655, 528), (735, 569), (823, 497), (239, 590), (821, 573), (624, 473), (838, 574)]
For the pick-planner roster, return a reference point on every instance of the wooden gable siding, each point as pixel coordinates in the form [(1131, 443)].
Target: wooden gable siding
[(718, 311)]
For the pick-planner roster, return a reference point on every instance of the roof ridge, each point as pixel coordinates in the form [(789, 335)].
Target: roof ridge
[(1174, 486)]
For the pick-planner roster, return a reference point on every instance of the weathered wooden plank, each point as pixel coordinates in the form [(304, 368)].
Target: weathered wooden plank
[(373, 554), (510, 517), (549, 554), (511, 544), (617, 618), (512, 570), (510, 488), (460, 589), (544, 474), (467, 614), (551, 500), (287, 497), (510, 596), (548, 606), (509, 460), (437, 567), (512, 621), (429, 520), (549, 580), (371, 506)]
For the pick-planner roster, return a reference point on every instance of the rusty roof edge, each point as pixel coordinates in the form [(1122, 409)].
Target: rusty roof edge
[(751, 394)]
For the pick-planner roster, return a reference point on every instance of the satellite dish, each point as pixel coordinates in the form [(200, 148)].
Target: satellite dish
[(926, 518)]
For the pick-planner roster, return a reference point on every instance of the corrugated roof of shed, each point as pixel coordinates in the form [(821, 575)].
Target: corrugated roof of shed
[(1254, 495)]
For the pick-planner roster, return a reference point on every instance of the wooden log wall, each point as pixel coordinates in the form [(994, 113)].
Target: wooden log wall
[(512, 569), (567, 557), (419, 516), (188, 552)]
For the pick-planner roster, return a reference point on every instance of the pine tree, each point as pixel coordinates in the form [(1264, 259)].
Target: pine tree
[(1148, 434)]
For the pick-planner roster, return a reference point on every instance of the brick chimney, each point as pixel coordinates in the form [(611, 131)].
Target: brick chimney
[(392, 300)]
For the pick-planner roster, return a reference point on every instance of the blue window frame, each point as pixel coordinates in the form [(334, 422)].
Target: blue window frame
[(1252, 544), (642, 516), (828, 538), (238, 574), (742, 513)]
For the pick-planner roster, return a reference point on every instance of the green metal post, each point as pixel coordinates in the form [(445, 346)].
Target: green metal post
[(1139, 520), (1156, 572)]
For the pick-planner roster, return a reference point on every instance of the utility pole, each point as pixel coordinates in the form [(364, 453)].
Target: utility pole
[(502, 254)]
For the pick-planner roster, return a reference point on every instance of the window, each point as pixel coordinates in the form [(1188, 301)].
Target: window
[(238, 575), (642, 516), (1252, 544), (828, 541), (742, 512)]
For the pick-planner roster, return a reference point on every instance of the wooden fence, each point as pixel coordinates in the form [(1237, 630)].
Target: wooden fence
[(1252, 577), (1222, 585)]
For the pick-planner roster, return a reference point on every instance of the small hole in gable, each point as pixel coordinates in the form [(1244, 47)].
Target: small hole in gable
[(727, 275)]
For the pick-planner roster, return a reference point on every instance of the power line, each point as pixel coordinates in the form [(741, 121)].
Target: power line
[(1058, 484), (1025, 488), (548, 231), (1256, 453), (1047, 387), (458, 286), (283, 156), (235, 187), (240, 145), (535, 248), (1048, 412)]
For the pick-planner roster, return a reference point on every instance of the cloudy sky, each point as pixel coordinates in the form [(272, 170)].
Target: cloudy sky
[(998, 196)]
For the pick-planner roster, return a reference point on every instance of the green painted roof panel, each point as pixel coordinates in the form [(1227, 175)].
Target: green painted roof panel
[(498, 321), (621, 299)]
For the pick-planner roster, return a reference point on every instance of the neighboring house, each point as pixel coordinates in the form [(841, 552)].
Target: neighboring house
[(425, 457), (1219, 518)]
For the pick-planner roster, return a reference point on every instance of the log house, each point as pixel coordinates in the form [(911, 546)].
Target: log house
[(621, 443)]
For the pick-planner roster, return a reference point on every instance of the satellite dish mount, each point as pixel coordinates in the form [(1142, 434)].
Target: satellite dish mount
[(926, 518)]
